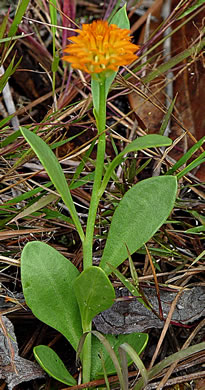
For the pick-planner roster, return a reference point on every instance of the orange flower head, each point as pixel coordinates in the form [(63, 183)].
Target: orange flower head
[(100, 47)]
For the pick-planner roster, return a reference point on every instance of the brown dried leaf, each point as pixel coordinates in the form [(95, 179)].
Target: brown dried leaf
[(147, 109), (200, 384), (189, 85)]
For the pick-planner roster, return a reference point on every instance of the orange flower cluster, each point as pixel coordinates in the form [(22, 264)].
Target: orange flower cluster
[(100, 47)]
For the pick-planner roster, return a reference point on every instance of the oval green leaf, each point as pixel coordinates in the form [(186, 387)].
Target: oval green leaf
[(53, 365), (140, 213), (94, 293), (47, 278)]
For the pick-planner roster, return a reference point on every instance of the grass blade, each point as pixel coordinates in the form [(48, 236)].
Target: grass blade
[(192, 165), (18, 17), (145, 142), (167, 117), (136, 359), (168, 361), (186, 157), (113, 356)]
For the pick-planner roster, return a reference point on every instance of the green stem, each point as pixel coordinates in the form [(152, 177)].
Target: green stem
[(87, 353), (88, 241), (101, 121)]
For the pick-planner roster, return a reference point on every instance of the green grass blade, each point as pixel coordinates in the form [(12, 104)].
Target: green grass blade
[(191, 9), (26, 195), (15, 37), (113, 356), (4, 121), (80, 167), (53, 15), (56, 59), (132, 289), (42, 202), (167, 117), (124, 365), (8, 72), (198, 161), (137, 340), (194, 50), (183, 354), (11, 138), (145, 142), (3, 25), (83, 180), (186, 157), (18, 17), (136, 359)]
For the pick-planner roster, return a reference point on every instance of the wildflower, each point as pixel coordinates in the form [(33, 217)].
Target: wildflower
[(100, 48)]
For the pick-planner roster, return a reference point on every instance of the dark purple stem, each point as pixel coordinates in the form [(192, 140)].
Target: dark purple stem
[(110, 7), (34, 43), (69, 10)]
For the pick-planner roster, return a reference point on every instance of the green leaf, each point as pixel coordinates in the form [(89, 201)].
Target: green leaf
[(55, 63), (53, 365), (94, 293), (121, 19), (3, 25), (53, 15), (140, 213), (137, 340), (53, 214), (81, 166), (145, 142), (113, 356), (8, 72), (83, 180), (95, 88), (4, 121), (21, 9), (47, 278), (108, 82), (11, 138), (55, 172)]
